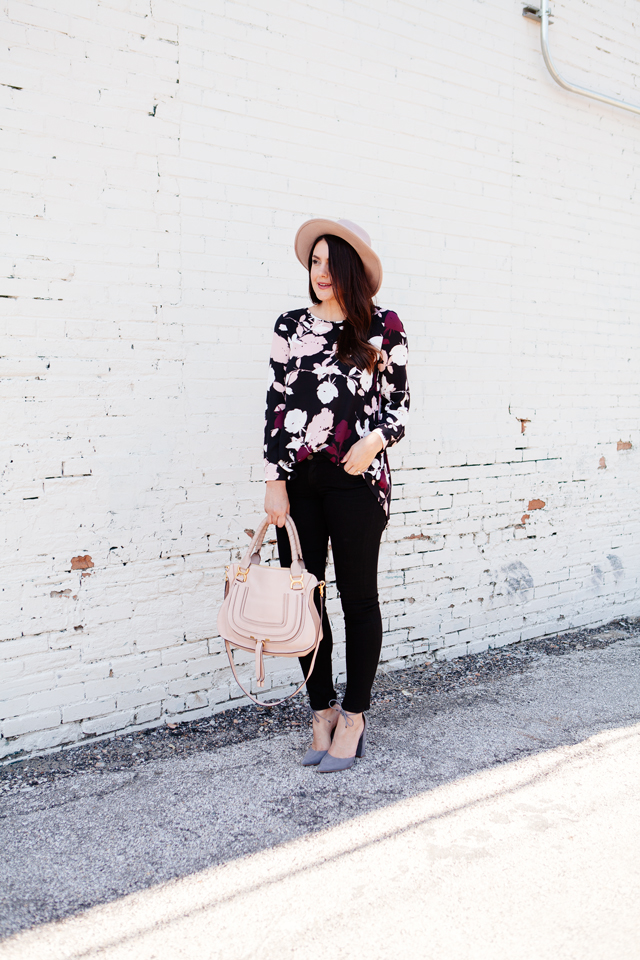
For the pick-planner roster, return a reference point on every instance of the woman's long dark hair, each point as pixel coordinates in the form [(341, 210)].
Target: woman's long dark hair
[(352, 290)]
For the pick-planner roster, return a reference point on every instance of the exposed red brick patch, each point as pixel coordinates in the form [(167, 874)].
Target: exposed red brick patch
[(536, 504), (418, 536), (60, 593), (250, 533), (624, 444), (523, 423), (602, 465), (81, 563), (525, 518)]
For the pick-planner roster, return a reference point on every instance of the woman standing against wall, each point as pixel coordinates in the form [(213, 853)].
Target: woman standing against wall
[(337, 398)]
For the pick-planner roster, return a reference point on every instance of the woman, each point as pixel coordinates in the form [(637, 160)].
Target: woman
[(337, 398)]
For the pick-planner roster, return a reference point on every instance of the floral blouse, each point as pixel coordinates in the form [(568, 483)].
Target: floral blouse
[(315, 402)]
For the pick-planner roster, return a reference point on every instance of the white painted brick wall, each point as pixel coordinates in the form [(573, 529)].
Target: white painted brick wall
[(156, 162)]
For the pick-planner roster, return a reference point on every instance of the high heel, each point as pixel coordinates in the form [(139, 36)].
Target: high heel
[(313, 757), (329, 764), (362, 742)]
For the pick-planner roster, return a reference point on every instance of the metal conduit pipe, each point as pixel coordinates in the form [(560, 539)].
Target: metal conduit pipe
[(541, 14)]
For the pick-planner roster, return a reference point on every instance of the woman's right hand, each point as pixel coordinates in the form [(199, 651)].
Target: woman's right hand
[(276, 501)]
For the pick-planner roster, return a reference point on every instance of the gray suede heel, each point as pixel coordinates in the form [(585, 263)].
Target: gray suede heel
[(330, 764)]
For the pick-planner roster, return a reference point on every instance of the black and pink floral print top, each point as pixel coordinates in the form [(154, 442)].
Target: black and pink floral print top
[(315, 402)]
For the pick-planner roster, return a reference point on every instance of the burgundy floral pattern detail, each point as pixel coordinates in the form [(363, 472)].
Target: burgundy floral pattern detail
[(315, 402)]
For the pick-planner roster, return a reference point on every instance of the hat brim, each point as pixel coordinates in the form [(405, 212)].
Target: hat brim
[(312, 229)]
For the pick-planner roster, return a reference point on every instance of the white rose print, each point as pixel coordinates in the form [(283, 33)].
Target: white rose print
[(366, 380), (399, 355), (327, 391), (295, 421)]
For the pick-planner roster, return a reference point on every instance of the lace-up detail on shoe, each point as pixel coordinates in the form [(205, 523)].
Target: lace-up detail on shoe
[(317, 717), (348, 717)]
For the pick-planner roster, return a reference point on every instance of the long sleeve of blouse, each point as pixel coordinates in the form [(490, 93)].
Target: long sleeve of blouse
[(315, 402), (394, 386), (276, 405)]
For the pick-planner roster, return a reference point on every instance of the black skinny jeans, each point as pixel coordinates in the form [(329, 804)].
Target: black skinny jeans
[(327, 503)]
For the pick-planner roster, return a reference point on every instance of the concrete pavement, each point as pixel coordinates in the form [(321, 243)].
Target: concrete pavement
[(502, 821)]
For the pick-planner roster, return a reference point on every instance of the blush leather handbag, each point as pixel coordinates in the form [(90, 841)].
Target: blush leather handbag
[(271, 610)]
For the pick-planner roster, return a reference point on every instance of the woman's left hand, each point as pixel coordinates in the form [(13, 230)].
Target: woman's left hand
[(362, 454)]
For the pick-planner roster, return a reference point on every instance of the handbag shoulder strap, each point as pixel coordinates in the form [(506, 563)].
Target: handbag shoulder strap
[(276, 703)]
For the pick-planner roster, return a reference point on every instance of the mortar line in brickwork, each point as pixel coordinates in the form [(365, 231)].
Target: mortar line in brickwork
[(491, 463)]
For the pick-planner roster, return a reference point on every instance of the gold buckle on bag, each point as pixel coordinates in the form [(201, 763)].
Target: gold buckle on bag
[(321, 587), (242, 574), (297, 583)]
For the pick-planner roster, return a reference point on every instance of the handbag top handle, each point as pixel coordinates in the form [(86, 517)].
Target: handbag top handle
[(297, 563)]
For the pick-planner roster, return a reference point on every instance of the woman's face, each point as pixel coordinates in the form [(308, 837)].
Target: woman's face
[(320, 276)]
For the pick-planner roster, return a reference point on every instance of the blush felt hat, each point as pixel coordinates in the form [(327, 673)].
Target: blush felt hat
[(352, 233)]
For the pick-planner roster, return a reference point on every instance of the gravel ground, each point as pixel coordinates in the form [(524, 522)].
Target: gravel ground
[(394, 690), (90, 825)]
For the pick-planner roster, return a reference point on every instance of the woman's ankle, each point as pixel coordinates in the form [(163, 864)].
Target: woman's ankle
[(347, 735), (327, 713)]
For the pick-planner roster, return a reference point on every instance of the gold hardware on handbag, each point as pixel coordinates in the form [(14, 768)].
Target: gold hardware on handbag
[(273, 610)]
